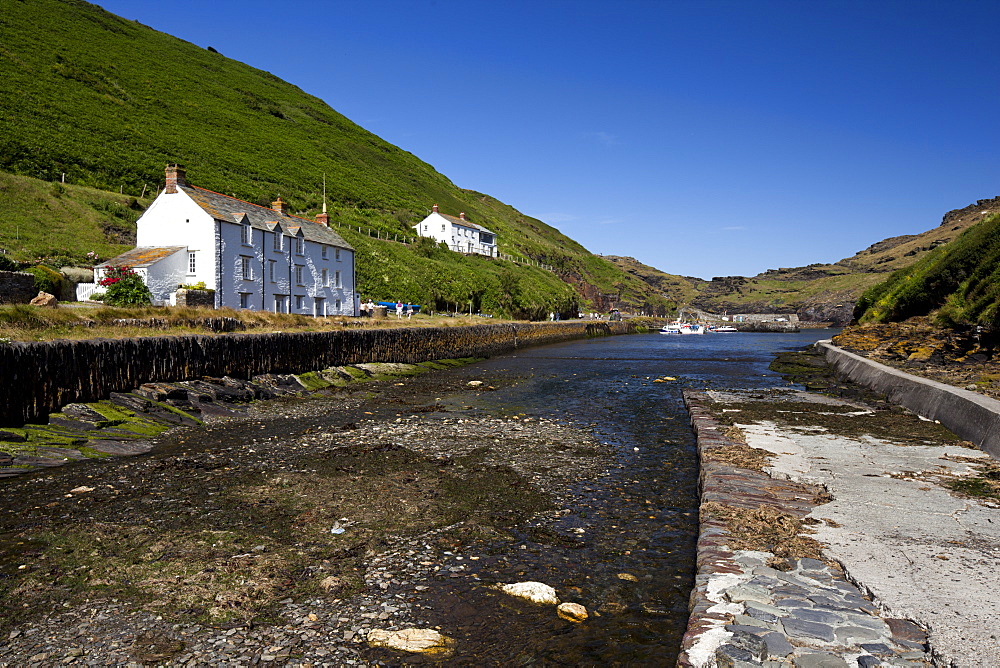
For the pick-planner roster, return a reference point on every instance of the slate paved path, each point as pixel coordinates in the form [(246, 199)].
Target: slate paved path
[(905, 579)]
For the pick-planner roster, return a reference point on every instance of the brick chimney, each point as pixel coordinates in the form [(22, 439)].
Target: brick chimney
[(175, 177), (278, 205), (323, 218), (461, 216), (434, 208)]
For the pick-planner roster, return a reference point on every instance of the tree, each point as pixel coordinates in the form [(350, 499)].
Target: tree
[(124, 287)]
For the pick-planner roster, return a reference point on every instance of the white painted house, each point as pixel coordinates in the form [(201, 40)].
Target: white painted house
[(253, 257), (461, 235)]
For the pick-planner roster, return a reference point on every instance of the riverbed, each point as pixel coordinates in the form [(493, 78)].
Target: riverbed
[(582, 454)]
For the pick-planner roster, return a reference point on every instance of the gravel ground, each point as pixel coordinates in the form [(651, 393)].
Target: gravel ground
[(284, 536)]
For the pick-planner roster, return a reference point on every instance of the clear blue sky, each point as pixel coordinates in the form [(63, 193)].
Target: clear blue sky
[(702, 138)]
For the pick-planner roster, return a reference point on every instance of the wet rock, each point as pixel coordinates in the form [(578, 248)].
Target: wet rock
[(536, 592), (420, 641), (573, 612)]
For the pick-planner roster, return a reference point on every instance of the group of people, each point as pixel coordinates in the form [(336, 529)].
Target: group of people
[(368, 309)]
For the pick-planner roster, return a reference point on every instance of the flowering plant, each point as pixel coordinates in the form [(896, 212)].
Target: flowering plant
[(125, 287)]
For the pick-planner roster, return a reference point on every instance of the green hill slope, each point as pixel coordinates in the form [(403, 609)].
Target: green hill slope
[(828, 292), (108, 102), (961, 280)]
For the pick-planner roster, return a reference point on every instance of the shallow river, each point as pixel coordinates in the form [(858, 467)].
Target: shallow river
[(634, 560)]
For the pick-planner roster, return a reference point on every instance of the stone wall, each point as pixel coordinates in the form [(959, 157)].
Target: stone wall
[(40, 378), (17, 287), (967, 414), (196, 298)]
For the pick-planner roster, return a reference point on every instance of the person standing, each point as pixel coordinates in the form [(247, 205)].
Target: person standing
[(409, 311), (399, 310)]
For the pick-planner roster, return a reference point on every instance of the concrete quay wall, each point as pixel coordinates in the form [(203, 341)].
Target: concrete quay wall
[(39, 378), (966, 414)]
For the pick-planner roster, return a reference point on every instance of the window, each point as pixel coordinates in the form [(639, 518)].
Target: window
[(336, 279), (426, 226), (338, 306), (270, 270), (298, 274), (191, 263), (246, 268), (278, 241), (319, 307), (326, 251), (299, 302), (337, 255), (245, 234), (325, 279), (300, 246), (442, 227), (245, 300)]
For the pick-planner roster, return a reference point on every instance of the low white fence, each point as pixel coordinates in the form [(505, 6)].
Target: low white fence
[(84, 290)]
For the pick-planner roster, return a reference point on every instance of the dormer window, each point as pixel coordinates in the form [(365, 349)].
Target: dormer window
[(300, 246), (245, 234), (278, 241)]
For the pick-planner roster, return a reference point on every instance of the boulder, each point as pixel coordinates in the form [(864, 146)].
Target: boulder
[(46, 300), (420, 641), (536, 592), (573, 612)]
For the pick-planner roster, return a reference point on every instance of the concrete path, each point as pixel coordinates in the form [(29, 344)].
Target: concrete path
[(920, 552)]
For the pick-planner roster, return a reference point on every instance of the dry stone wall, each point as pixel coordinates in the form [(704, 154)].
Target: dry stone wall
[(16, 287), (37, 379)]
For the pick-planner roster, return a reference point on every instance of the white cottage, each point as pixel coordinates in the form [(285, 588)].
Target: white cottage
[(253, 257), (461, 235)]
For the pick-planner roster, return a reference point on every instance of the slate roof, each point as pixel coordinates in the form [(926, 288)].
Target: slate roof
[(458, 221), (142, 257), (230, 209)]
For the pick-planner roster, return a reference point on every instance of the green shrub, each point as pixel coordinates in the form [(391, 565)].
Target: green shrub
[(97, 297), (46, 279), (8, 264), (124, 287)]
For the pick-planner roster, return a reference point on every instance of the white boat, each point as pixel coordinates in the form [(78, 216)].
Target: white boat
[(725, 329), (682, 328)]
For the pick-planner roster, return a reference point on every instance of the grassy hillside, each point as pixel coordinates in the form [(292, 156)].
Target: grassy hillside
[(961, 280), (829, 291), (108, 102)]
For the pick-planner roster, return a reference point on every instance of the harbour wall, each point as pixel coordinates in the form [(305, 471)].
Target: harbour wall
[(39, 378), (967, 414)]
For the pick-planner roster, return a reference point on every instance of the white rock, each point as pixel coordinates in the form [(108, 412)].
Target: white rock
[(573, 612), (421, 641), (474, 383), (536, 592)]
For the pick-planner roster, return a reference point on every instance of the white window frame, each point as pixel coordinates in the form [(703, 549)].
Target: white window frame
[(336, 279), (279, 241), (246, 236), (326, 251), (299, 271), (192, 263), (300, 246), (270, 270), (245, 300), (325, 278), (246, 268)]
